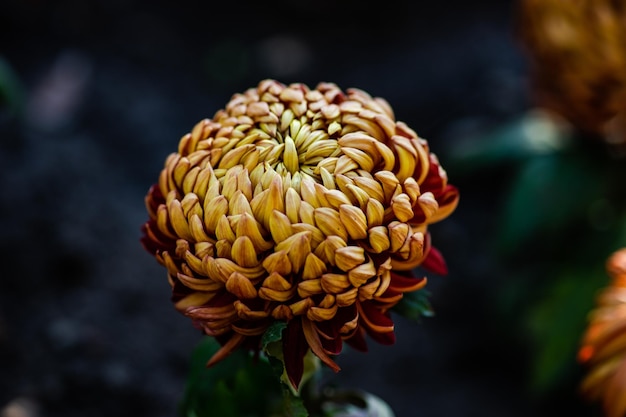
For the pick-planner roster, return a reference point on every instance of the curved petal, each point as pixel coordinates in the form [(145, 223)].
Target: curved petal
[(294, 348), (434, 262), (357, 340)]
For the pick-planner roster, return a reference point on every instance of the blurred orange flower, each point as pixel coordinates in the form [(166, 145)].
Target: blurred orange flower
[(577, 51), (603, 347), (306, 206)]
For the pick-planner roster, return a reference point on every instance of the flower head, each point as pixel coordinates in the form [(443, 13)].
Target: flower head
[(307, 206), (603, 347), (577, 50)]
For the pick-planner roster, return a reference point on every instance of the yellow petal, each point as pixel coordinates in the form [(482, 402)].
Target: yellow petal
[(220, 269), (240, 286), (243, 252), (359, 140), (180, 170), (314, 267), (327, 179), (336, 198), (372, 128), (246, 313), (379, 239), (199, 284), (387, 155), (371, 187), (310, 288), (278, 262), (389, 182), (223, 248), (292, 205), (194, 263), (348, 257), (359, 275), (193, 299), (163, 222), (367, 290), (321, 314), (360, 195), (282, 312), (374, 212), (214, 210), (191, 205), (402, 207), (398, 235), (308, 192), (248, 226), (329, 222), (301, 307), (223, 231), (190, 180), (347, 298), (345, 164), (280, 226), (354, 221), (178, 220), (298, 248), (364, 160), (327, 249), (428, 204), (238, 204), (335, 283), (232, 157), (317, 236)]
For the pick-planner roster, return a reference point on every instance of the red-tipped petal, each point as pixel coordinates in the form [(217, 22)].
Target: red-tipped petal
[(313, 339), (227, 349), (374, 319), (403, 283), (294, 349), (357, 340), (434, 262)]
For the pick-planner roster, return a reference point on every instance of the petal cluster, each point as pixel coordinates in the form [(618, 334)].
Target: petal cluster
[(578, 61), (603, 348), (308, 206)]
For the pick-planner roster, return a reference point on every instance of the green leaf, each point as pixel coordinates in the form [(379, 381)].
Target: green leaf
[(239, 386), (415, 305), (274, 333), (550, 194), (530, 135), (293, 406), (558, 321), (11, 91)]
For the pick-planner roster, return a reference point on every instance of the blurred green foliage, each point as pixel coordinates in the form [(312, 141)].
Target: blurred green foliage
[(561, 213), (239, 386), (11, 90)]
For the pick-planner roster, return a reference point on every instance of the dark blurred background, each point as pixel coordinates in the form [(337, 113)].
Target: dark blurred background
[(97, 93)]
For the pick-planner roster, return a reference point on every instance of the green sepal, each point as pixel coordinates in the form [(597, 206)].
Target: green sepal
[(415, 305)]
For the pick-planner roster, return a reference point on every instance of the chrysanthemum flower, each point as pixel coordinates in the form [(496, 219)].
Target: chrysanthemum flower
[(307, 206), (577, 51), (603, 347)]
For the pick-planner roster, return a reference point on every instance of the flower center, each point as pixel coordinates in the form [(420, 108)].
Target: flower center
[(298, 149)]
